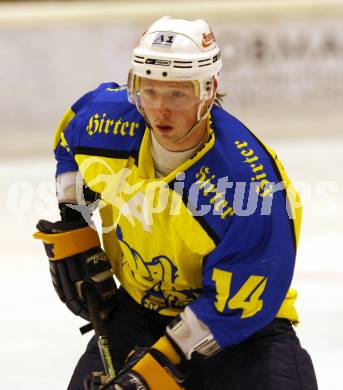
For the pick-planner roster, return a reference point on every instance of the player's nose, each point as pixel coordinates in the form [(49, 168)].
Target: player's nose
[(164, 112)]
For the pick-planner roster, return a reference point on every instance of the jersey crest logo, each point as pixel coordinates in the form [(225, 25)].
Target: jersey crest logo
[(162, 273)]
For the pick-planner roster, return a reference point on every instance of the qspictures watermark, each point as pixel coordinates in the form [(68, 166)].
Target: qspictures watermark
[(139, 201)]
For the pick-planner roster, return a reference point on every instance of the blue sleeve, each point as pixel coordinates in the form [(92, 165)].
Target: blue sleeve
[(66, 137), (246, 277), (65, 161)]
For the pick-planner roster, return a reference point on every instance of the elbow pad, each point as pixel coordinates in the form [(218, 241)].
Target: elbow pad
[(66, 187), (191, 335), (71, 190)]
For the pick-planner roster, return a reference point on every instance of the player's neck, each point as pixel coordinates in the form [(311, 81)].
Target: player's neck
[(165, 161)]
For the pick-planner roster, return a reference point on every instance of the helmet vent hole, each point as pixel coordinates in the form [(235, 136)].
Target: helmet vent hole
[(148, 71), (164, 74)]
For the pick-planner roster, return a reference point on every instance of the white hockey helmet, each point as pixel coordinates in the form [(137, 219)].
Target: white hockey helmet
[(176, 50)]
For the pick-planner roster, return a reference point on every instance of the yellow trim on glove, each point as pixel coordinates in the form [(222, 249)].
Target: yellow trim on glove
[(155, 375), (72, 242), (164, 346)]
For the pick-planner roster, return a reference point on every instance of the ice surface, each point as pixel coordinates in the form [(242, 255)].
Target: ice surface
[(40, 341)]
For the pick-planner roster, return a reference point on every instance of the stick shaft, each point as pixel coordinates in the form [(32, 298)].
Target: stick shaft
[(100, 333)]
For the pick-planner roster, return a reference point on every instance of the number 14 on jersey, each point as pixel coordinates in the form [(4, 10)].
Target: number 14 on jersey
[(246, 298)]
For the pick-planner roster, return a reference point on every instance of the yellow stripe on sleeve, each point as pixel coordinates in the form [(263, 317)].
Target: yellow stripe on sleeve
[(66, 119), (287, 309)]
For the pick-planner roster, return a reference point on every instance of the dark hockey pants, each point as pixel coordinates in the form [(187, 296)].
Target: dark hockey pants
[(271, 359)]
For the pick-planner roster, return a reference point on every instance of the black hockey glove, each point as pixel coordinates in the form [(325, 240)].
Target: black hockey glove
[(78, 266), (151, 368)]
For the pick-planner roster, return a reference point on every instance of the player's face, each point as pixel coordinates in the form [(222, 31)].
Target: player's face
[(171, 108)]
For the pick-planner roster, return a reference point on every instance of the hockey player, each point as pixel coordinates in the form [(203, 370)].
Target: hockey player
[(200, 226)]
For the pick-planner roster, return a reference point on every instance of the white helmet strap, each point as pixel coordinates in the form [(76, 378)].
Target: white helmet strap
[(200, 116)]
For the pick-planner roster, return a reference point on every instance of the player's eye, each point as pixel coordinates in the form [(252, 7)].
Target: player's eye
[(149, 92), (178, 94)]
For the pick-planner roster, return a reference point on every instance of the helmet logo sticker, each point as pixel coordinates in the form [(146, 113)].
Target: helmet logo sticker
[(164, 39), (154, 61), (217, 57), (208, 39)]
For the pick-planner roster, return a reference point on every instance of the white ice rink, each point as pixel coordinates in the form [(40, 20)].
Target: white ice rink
[(40, 341)]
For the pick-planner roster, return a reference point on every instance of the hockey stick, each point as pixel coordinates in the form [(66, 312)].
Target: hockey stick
[(100, 332)]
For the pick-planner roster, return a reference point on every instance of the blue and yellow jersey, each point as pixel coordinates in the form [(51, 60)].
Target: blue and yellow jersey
[(219, 233)]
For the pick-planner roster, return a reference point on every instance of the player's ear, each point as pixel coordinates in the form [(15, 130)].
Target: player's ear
[(210, 100), (215, 85)]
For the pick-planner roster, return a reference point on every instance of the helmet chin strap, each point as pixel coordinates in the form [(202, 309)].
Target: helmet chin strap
[(191, 130), (200, 117)]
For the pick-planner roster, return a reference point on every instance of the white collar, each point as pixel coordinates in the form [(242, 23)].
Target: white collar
[(166, 161)]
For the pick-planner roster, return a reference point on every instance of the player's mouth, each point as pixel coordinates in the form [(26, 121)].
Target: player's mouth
[(164, 129)]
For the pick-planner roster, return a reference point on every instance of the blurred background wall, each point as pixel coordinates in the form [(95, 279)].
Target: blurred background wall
[(282, 61)]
